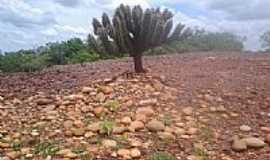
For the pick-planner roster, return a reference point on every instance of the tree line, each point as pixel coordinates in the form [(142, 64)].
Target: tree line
[(130, 32)]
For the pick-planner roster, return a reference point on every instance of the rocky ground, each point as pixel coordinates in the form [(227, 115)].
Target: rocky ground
[(197, 106)]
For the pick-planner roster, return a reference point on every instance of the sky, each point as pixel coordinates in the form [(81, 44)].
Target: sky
[(28, 24)]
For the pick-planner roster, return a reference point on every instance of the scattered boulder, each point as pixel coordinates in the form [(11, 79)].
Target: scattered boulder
[(239, 145), (49, 108), (13, 154), (94, 127), (141, 117), (100, 97), (78, 131), (4, 145), (126, 120), (221, 109), (78, 123), (265, 129), (119, 130), (135, 153), (74, 97), (86, 109), (155, 126), (245, 128), (179, 131), (254, 142), (136, 125), (106, 89), (44, 101), (98, 111), (34, 133), (68, 124), (63, 152), (135, 143), (188, 111), (192, 157), (166, 136), (268, 138), (148, 102), (109, 143), (192, 131), (89, 134), (147, 111), (1, 98), (71, 155), (87, 90), (125, 153)]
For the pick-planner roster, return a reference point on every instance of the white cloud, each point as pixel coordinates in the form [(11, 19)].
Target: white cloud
[(28, 23), (50, 32)]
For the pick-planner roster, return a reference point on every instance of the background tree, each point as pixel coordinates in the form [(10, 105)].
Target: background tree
[(265, 39), (134, 30)]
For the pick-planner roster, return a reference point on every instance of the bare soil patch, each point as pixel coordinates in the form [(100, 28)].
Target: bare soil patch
[(201, 99)]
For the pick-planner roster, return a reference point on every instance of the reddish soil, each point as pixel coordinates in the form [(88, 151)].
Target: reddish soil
[(239, 81)]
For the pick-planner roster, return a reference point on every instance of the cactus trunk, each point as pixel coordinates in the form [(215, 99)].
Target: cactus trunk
[(134, 31), (138, 65)]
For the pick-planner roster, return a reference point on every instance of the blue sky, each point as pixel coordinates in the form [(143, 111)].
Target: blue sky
[(30, 23)]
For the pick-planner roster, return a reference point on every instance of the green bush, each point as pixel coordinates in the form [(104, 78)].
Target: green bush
[(265, 40), (162, 156), (22, 62), (33, 63), (82, 57)]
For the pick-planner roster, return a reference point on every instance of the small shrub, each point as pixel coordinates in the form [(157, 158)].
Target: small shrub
[(86, 156), (106, 127), (82, 57), (162, 156), (22, 62), (112, 105), (200, 152), (206, 134), (167, 119), (46, 149), (17, 145), (82, 153)]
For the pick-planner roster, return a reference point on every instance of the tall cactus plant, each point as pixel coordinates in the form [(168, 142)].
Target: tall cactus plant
[(134, 30)]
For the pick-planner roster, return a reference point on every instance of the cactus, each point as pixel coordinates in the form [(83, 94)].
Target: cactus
[(133, 31)]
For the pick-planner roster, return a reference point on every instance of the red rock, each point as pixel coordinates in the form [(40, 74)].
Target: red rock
[(265, 129), (268, 139)]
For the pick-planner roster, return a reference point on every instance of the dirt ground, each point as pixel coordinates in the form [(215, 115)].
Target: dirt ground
[(239, 83)]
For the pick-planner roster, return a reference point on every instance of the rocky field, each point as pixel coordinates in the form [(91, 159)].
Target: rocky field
[(196, 106)]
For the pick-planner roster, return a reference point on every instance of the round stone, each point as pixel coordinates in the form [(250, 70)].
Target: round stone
[(136, 125), (87, 90), (254, 142), (89, 134), (123, 153), (119, 130), (188, 111), (126, 120), (78, 131), (239, 145), (265, 129), (94, 127), (155, 126), (179, 131), (109, 143), (135, 153), (147, 111), (192, 131), (268, 139), (245, 128), (166, 136)]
